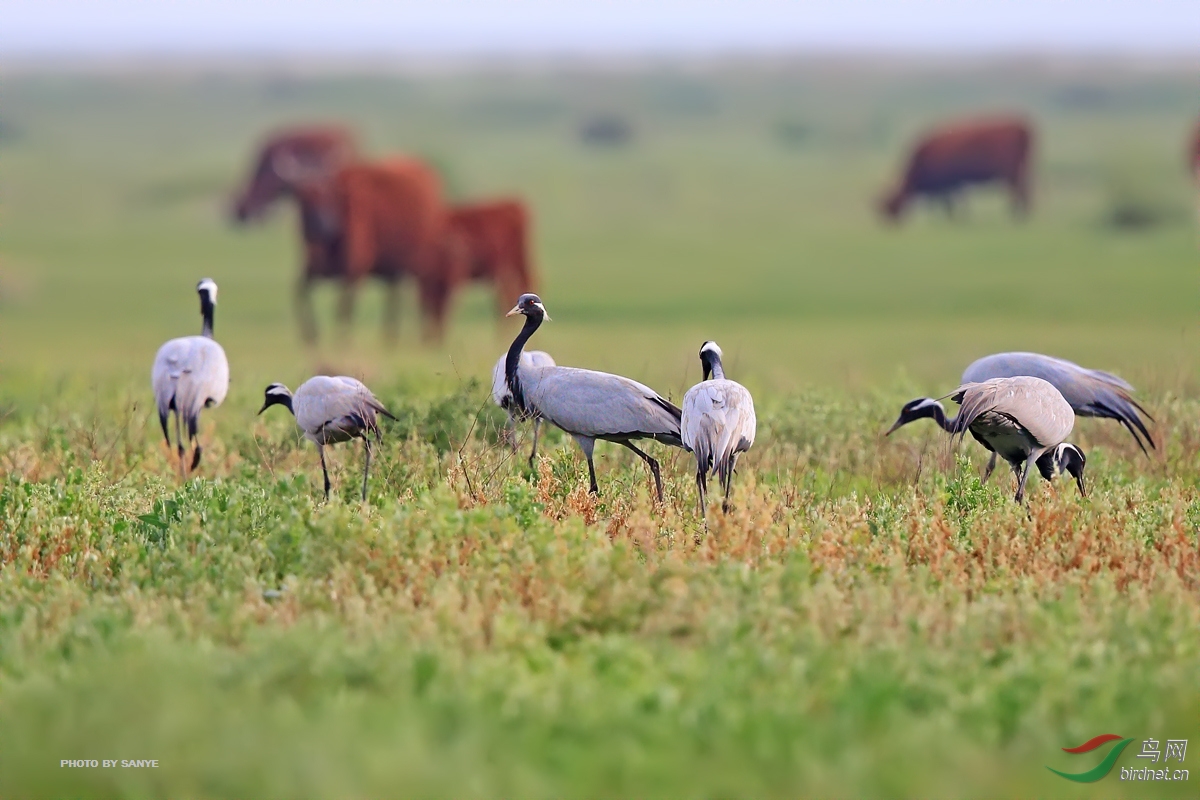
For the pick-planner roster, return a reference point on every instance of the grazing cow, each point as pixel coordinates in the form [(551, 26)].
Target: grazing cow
[(321, 148), (1194, 154), (490, 243), (384, 219), (959, 155)]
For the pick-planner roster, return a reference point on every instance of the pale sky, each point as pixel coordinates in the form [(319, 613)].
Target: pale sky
[(482, 27)]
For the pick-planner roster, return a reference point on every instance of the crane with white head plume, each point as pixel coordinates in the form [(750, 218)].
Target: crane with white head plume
[(189, 374), (718, 424), (1024, 420), (587, 404), (331, 410)]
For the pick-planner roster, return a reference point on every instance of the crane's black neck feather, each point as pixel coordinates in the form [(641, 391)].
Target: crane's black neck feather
[(711, 360), (206, 310), (532, 321)]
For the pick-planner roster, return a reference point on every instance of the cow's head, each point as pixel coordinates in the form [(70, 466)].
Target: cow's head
[(891, 205), (281, 170)]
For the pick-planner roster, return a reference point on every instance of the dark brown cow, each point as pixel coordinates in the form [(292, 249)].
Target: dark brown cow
[(1194, 154), (384, 219), (956, 156), (316, 148), (490, 241)]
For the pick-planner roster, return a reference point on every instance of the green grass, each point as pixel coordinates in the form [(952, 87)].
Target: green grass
[(869, 621)]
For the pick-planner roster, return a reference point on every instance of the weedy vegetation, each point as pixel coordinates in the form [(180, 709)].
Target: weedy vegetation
[(870, 620)]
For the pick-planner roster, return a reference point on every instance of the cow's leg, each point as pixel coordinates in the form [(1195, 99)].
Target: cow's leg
[(435, 298), (391, 311), (304, 310), (947, 201), (345, 312), (1020, 195)]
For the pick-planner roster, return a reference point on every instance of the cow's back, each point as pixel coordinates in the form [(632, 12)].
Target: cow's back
[(1194, 153), (495, 233), (967, 153), (393, 217)]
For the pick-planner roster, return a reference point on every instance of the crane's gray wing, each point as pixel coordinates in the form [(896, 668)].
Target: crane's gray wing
[(598, 404), (1091, 392), (718, 421), (1033, 403)]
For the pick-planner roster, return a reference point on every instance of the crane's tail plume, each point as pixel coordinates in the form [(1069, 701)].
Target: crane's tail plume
[(1123, 409)]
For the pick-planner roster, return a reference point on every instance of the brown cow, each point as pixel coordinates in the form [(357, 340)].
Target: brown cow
[(490, 241), (316, 148), (384, 219), (955, 156), (1194, 154)]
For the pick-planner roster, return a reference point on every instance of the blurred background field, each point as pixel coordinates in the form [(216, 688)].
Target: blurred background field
[(871, 621), (741, 208)]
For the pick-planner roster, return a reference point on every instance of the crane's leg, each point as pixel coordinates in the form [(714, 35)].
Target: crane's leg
[(587, 444), (367, 466), (702, 489), (1022, 477), (650, 462), (345, 310), (193, 436), (991, 466), (727, 482), (537, 422), (179, 437), (304, 310), (324, 470)]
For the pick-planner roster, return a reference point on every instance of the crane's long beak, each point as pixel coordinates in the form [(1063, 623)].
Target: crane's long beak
[(899, 423), (264, 408), (514, 311)]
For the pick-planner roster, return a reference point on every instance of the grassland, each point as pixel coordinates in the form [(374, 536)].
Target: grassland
[(869, 621)]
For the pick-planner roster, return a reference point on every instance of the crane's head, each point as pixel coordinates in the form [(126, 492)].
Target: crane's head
[(1065, 458), (921, 408), (531, 306), (207, 289), (277, 395), (710, 359)]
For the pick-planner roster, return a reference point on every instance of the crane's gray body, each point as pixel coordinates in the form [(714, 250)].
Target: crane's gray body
[(1090, 392), (336, 409), (189, 374), (1019, 418), (717, 425)]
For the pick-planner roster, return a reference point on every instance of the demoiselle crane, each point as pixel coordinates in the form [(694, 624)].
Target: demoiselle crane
[(1024, 420), (331, 410), (718, 424), (189, 374), (588, 405)]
